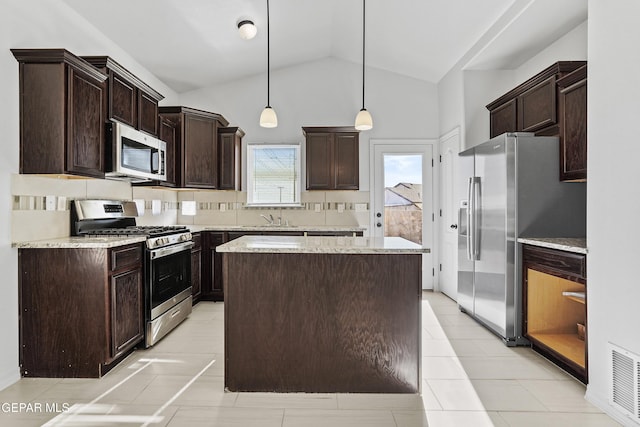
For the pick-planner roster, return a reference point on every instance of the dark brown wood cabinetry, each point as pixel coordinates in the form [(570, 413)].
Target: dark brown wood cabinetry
[(196, 267), (555, 315), (61, 113), (552, 103), (573, 125), (332, 155), (167, 133), (81, 310), (533, 105), (196, 155), (212, 266), (229, 158), (129, 99)]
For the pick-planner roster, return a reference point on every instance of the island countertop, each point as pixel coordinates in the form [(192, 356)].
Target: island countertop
[(321, 244), (79, 242)]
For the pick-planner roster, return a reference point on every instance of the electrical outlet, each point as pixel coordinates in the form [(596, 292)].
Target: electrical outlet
[(50, 203), (318, 207), (223, 207), (361, 207), (340, 207)]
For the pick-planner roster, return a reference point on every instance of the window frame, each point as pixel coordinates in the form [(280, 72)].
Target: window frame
[(250, 174)]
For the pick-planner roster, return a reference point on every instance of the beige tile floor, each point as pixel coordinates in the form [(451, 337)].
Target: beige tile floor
[(469, 379)]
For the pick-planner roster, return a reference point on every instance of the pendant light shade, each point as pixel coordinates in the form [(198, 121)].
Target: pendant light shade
[(364, 121), (268, 118), (247, 29)]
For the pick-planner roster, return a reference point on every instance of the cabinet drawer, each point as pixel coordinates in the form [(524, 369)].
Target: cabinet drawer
[(126, 256), (560, 263)]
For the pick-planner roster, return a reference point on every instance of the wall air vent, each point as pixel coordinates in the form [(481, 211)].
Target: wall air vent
[(625, 382)]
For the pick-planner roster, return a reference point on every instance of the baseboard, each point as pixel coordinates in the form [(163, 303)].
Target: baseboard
[(9, 377), (604, 406)]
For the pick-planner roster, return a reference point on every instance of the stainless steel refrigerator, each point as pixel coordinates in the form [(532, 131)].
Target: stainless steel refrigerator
[(511, 189)]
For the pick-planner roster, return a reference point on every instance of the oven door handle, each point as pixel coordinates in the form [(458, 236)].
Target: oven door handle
[(170, 250)]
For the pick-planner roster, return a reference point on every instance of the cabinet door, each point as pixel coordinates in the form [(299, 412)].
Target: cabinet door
[(123, 102), (127, 311), (217, 288), (85, 124), (168, 135), (147, 113), (504, 118), (573, 142), (319, 161), (346, 160), (196, 265), (537, 106), (228, 162), (200, 152)]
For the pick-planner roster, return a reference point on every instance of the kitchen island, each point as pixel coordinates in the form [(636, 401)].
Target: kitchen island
[(322, 314)]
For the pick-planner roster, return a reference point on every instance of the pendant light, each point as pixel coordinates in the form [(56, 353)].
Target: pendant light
[(363, 119), (247, 29), (268, 118)]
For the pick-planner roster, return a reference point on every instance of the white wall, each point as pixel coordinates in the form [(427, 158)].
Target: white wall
[(613, 201), (31, 24), (327, 92)]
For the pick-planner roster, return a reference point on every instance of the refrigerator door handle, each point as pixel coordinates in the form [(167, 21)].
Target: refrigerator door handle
[(469, 218), (472, 212)]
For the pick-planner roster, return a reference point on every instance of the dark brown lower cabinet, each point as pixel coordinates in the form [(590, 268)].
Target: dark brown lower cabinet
[(212, 266), (555, 306), (81, 310), (196, 267)]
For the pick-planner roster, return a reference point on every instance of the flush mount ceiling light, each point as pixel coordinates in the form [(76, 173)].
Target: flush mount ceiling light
[(363, 119), (247, 29), (268, 118)]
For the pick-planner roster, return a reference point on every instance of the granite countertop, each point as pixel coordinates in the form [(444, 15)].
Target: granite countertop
[(569, 244), (80, 242), (322, 244), (301, 228)]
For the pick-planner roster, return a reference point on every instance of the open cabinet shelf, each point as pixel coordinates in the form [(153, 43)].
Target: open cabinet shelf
[(567, 345)]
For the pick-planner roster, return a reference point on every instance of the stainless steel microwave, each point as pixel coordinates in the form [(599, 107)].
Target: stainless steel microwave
[(134, 155)]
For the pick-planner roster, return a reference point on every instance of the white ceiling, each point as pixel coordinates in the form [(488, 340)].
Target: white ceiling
[(189, 44)]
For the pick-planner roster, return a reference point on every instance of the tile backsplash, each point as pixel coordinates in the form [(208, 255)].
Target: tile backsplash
[(41, 206)]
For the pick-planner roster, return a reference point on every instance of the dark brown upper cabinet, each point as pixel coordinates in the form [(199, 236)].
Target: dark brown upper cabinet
[(61, 115), (196, 142), (129, 99), (533, 105), (332, 158), (573, 123), (168, 134), (229, 158)]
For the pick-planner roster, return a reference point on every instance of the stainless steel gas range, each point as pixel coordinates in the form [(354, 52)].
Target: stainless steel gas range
[(167, 265)]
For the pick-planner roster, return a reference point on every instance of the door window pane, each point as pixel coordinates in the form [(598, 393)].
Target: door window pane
[(403, 196)]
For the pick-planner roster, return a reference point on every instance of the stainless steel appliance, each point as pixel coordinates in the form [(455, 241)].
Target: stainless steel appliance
[(512, 190), (134, 155), (167, 266)]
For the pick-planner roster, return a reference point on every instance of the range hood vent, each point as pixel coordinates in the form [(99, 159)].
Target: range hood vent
[(625, 382)]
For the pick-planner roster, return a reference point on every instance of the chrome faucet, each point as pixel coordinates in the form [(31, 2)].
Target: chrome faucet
[(269, 218)]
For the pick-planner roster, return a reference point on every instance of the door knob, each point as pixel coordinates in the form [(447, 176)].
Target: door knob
[(454, 226)]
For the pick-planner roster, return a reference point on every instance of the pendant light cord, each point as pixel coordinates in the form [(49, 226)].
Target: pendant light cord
[(268, 60), (363, 45)]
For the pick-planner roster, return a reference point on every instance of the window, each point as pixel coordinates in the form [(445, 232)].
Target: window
[(273, 175)]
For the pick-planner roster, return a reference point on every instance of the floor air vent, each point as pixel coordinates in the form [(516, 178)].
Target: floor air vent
[(625, 382)]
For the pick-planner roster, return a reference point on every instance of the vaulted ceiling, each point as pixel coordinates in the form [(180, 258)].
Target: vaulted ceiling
[(189, 44)]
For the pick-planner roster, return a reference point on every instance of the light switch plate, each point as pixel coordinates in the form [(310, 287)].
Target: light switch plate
[(62, 203), (223, 207), (156, 207), (340, 207), (361, 207), (318, 207)]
